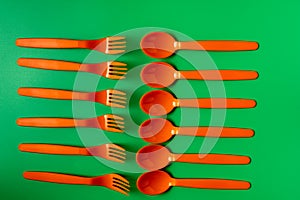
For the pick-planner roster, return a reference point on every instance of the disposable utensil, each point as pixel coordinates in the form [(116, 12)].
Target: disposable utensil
[(108, 151), (159, 102), (108, 45), (106, 122), (112, 181), (154, 157), (163, 45), (111, 97), (159, 130), (161, 74), (158, 182), (110, 69)]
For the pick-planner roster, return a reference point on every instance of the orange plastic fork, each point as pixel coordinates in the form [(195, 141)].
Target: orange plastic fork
[(108, 45), (108, 151), (110, 69), (111, 181), (106, 122), (113, 98)]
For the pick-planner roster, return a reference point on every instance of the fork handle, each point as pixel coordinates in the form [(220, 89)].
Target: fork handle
[(54, 43), (219, 159), (220, 45), (218, 184), (97, 68), (58, 122), (57, 178), (53, 149), (223, 132), (217, 103), (56, 94), (225, 75)]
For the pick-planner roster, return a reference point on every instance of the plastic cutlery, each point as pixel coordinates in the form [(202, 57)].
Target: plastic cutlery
[(108, 151), (108, 45), (159, 130), (163, 45), (154, 157), (161, 74), (110, 69), (159, 102), (158, 182), (113, 98), (111, 181), (106, 122)]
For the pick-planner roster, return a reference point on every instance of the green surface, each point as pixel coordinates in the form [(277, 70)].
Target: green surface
[(274, 149)]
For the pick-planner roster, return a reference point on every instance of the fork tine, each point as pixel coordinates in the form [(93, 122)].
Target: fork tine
[(116, 147), (120, 178), (115, 122), (118, 68), (116, 151), (117, 92), (121, 186), (112, 72), (116, 47), (116, 96), (114, 129), (113, 43), (115, 38), (119, 190), (116, 105), (110, 116), (116, 100), (110, 51), (115, 63), (116, 77), (115, 159)]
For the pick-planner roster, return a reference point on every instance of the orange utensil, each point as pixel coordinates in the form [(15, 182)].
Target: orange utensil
[(111, 181), (154, 157), (108, 45), (158, 182), (110, 69), (163, 45), (107, 122), (108, 151), (159, 130), (159, 102), (113, 98), (161, 74)]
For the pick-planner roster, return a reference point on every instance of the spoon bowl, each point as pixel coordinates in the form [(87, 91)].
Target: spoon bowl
[(158, 74), (158, 102), (153, 183), (157, 130), (153, 157), (158, 45)]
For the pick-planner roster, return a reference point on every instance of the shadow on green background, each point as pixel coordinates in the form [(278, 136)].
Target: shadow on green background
[(274, 149)]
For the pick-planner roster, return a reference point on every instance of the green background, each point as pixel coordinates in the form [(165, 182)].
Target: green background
[(274, 149)]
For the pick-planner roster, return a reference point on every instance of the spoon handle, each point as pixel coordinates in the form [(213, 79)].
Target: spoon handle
[(220, 159), (220, 45), (225, 75), (210, 183), (217, 103), (53, 149), (57, 122), (97, 68), (223, 132)]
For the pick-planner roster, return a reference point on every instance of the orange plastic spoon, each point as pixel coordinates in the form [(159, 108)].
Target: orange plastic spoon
[(159, 102), (154, 157), (161, 74), (163, 45), (158, 182), (159, 130)]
